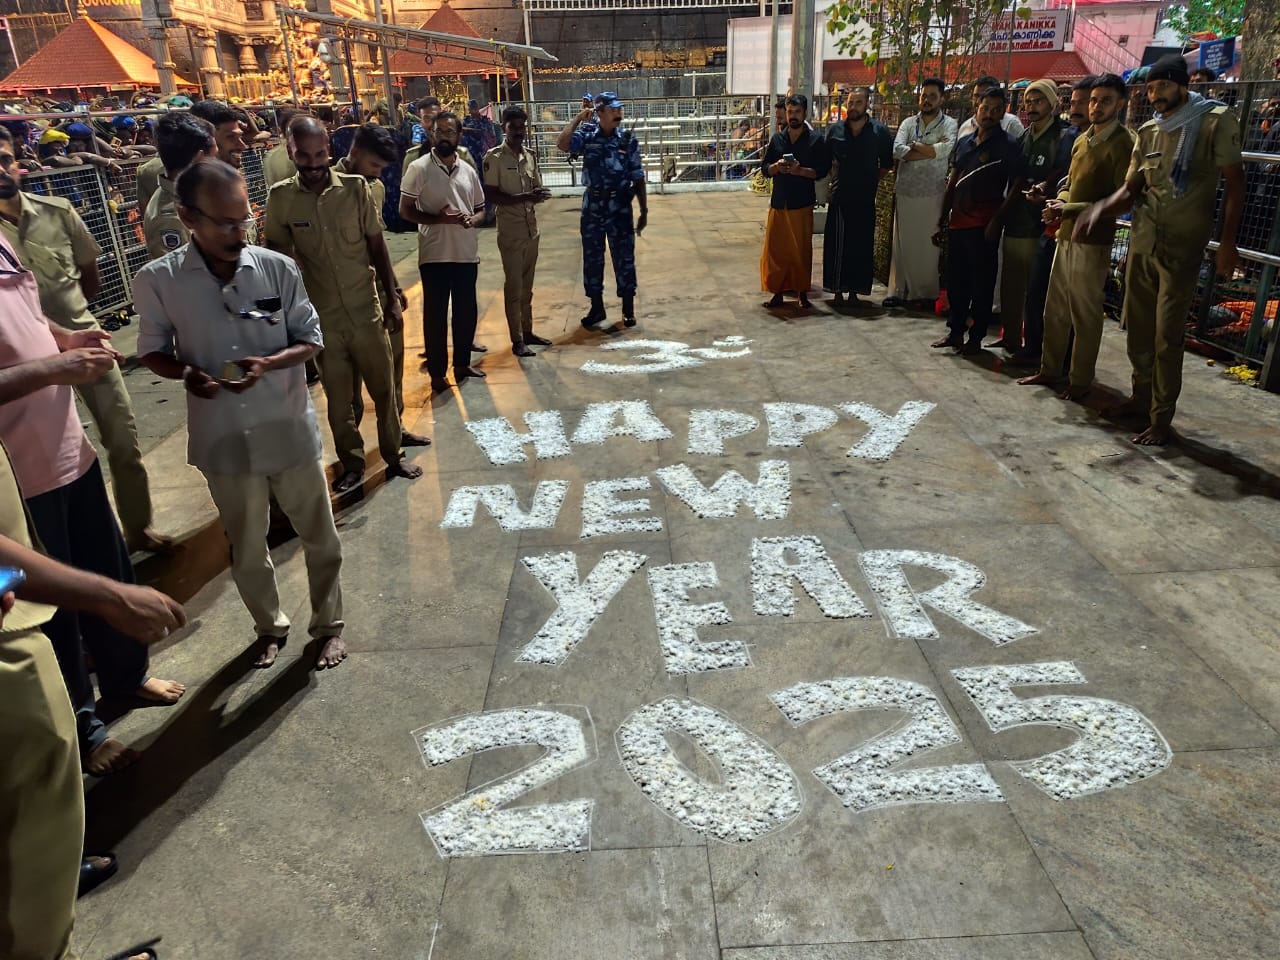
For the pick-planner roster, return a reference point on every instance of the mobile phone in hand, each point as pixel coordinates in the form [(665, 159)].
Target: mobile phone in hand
[(11, 578), (788, 158)]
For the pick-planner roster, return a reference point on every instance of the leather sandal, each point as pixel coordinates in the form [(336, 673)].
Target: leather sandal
[(146, 949), (92, 875)]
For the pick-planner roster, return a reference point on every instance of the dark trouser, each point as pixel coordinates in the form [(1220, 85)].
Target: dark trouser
[(1037, 288), (76, 526), (972, 264), (608, 217), (442, 282)]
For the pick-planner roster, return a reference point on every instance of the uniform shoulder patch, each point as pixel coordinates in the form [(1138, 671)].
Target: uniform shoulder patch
[(170, 239)]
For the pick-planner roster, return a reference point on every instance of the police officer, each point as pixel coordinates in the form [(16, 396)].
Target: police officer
[(183, 139), (613, 173), (372, 150), (513, 183), (326, 220)]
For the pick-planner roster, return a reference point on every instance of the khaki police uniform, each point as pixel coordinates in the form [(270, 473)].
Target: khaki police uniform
[(513, 174), (1166, 247), (277, 165), (161, 226), (378, 191), (1077, 279), (326, 233), (52, 241), (147, 181), (41, 796)]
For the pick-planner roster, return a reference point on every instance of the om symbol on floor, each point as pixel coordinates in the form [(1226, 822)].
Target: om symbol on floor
[(668, 355)]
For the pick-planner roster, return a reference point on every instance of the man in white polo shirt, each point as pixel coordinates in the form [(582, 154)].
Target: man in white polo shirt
[(443, 197)]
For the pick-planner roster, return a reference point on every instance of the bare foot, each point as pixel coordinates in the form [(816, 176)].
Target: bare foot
[(110, 756), (270, 650), (1037, 379), (1153, 436), (156, 690), (150, 541), (349, 479), (408, 439), (333, 651), (410, 471), (1074, 394)]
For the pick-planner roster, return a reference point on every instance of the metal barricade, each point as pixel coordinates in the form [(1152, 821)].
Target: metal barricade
[(102, 206), (106, 198)]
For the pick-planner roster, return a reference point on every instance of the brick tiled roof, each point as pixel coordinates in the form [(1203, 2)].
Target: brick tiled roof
[(1054, 64), (85, 55), (407, 63)]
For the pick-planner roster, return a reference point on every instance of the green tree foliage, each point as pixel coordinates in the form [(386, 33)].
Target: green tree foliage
[(1223, 17), (909, 40)]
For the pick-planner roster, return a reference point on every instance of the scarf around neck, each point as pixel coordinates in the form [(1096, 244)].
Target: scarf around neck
[(1185, 123)]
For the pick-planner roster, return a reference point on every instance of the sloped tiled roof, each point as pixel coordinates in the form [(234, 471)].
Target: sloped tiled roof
[(1053, 64), (85, 55), (406, 63)]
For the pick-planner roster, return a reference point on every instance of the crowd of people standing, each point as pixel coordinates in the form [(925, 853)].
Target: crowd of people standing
[(1027, 218), (237, 314)]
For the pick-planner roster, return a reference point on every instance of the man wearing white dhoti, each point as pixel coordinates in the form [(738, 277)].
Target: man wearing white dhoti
[(923, 150)]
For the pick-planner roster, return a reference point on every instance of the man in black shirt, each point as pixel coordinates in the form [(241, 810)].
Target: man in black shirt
[(861, 152), (983, 164), (796, 158)]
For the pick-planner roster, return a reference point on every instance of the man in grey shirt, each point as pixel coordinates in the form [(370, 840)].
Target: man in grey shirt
[(233, 322)]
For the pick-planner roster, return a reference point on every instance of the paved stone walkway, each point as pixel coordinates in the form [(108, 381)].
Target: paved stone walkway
[(823, 646)]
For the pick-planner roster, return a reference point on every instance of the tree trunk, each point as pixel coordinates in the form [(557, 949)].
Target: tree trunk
[(1261, 39)]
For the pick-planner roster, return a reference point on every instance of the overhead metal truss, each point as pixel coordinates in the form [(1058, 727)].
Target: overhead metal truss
[(426, 42), (639, 6)]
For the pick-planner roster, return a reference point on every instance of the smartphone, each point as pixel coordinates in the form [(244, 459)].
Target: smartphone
[(11, 578), (232, 371), (789, 157)]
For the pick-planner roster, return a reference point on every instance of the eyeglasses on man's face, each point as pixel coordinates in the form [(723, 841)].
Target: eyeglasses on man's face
[(226, 226)]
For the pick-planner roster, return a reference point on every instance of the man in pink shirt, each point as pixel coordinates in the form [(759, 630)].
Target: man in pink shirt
[(62, 486)]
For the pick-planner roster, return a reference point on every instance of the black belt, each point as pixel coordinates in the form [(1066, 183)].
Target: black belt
[(598, 192)]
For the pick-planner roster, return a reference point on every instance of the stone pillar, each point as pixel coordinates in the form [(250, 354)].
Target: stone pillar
[(248, 60), (207, 57), (154, 14), (802, 79), (163, 62)]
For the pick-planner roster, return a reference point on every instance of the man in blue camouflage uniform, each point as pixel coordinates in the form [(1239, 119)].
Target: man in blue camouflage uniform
[(613, 174)]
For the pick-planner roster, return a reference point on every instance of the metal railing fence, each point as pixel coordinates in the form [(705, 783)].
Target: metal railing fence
[(720, 139)]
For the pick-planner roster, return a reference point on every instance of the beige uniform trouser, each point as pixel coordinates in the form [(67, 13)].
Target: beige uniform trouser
[(1077, 288), (1019, 253), (1157, 300), (519, 261), (41, 802), (107, 401), (363, 350), (396, 339), (303, 494)]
